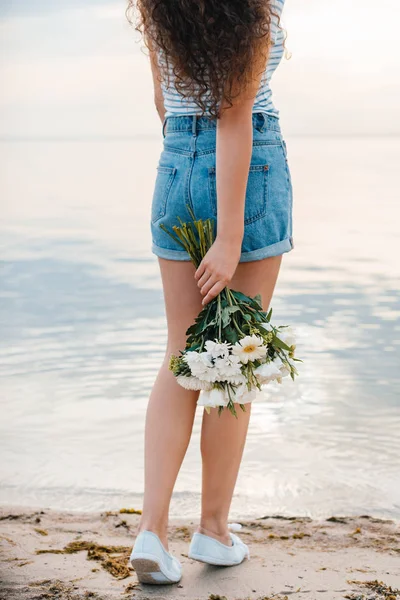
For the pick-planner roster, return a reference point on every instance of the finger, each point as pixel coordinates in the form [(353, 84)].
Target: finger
[(200, 270), (204, 278), (206, 287), (215, 290)]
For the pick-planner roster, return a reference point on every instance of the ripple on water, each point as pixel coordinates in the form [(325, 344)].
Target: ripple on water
[(83, 332)]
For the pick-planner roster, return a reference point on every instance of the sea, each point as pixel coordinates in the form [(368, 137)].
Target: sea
[(83, 331)]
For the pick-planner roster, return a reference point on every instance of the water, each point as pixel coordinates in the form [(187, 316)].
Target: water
[(82, 333)]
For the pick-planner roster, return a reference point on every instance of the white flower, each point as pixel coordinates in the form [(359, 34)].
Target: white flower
[(249, 348), (200, 364), (268, 372), (213, 398), (229, 369), (210, 375), (284, 369), (193, 358), (287, 336), (193, 383), (242, 395), (218, 350), (235, 379)]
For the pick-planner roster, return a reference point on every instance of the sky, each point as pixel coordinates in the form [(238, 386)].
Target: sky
[(76, 69)]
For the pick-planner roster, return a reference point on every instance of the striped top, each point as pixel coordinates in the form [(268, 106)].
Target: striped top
[(175, 104)]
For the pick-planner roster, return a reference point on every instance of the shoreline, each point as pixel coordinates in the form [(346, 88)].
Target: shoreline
[(66, 555)]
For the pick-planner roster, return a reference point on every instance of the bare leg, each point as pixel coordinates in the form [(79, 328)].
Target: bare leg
[(171, 408), (223, 437)]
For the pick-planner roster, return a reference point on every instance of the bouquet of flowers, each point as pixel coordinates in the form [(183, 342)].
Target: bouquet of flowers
[(232, 349)]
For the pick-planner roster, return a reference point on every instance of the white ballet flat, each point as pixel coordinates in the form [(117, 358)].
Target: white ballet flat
[(152, 563), (208, 550)]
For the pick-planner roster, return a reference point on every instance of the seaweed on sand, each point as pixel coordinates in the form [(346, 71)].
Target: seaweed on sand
[(183, 533), (41, 531), (274, 597), (57, 590), (113, 559), (380, 589), (337, 520)]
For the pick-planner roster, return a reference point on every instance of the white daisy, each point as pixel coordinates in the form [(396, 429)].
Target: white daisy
[(249, 348)]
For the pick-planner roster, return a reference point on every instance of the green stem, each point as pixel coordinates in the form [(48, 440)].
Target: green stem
[(219, 319), (237, 326), (229, 298), (231, 405)]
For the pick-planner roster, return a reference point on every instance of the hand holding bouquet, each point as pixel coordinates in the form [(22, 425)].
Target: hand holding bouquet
[(232, 349)]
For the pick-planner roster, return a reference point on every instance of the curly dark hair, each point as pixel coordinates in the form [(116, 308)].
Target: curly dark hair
[(215, 48)]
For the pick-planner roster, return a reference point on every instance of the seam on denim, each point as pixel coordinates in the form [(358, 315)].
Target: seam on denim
[(173, 150), (169, 254), (189, 127), (290, 187), (267, 143), (205, 152), (188, 180), (261, 214), (167, 190), (276, 249)]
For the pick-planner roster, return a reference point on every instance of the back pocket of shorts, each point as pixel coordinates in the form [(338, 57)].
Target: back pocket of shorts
[(164, 180), (256, 192)]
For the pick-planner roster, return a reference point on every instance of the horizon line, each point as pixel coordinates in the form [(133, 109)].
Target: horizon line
[(136, 137)]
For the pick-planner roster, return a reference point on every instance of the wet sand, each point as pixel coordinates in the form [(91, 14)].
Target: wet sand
[(82, 556)]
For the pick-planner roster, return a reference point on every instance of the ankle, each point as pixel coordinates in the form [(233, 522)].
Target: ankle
[(160, 529), (215, 528)]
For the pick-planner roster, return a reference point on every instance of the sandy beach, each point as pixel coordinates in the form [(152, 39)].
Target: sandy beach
[(80, 556)]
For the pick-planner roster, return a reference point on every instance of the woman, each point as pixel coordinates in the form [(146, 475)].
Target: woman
[(224, 156)]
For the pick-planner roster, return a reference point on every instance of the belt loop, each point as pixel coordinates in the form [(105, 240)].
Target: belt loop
[(194, 124)]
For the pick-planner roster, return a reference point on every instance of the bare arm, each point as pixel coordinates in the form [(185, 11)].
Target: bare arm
[(234, 149), (158, 96)]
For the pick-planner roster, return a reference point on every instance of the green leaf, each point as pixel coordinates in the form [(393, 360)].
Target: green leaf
[(231, 335), (269, 315), (256, 306), (258, 299), (241, 297), (226, 317), (279, 344), (192, 329), (224, 302)]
